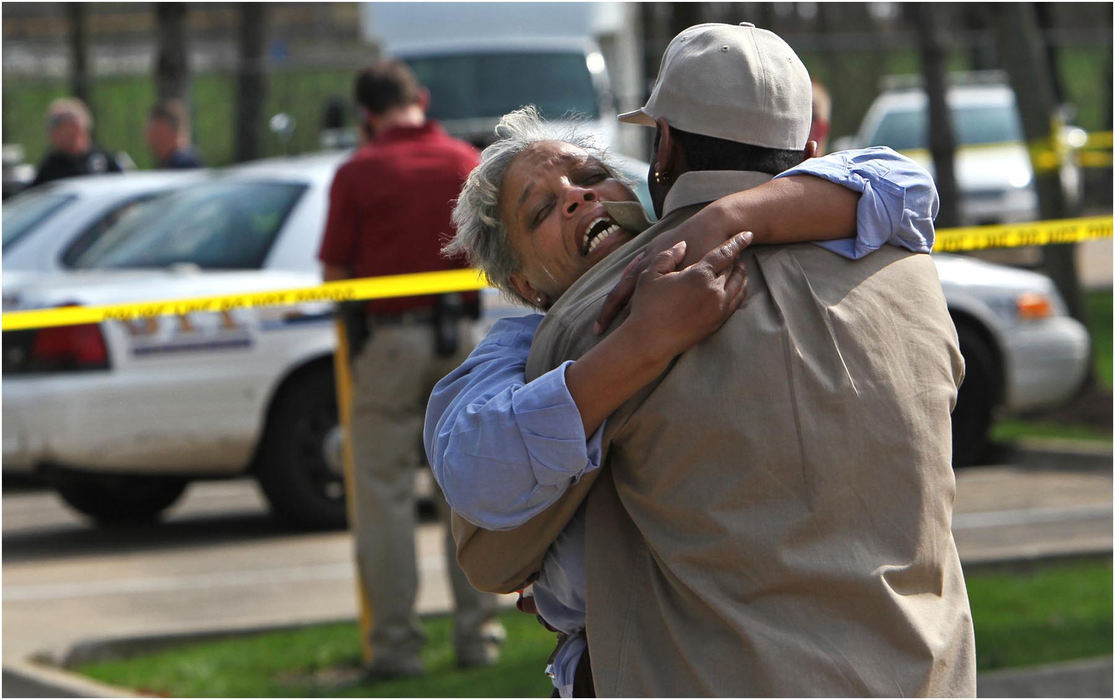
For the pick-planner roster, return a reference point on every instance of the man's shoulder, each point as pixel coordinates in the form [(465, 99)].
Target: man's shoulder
[(185, 158), (437, 133), (461, 152), (812, 258), (363, 162), (98, 160), (802, 278)]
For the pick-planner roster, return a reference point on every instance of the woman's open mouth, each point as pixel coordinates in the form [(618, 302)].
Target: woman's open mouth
[(599, 230)]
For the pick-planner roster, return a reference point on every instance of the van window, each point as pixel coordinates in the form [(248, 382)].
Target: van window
[(492, 84)]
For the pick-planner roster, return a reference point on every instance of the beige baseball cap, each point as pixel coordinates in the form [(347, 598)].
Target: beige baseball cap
[(735, 82)]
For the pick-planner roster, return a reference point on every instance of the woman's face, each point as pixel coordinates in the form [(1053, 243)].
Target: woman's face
[(550, 204)]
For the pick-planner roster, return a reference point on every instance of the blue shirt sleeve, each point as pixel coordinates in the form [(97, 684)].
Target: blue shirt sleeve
[(503, 450), (898, 200)]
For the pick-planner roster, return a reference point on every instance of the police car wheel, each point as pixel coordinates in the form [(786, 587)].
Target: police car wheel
[(976, 401), (295, 473), (118, 499)]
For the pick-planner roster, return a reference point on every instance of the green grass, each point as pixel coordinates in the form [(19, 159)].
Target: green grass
[(120, 105), (1099, 325), (1055, 613), (1011, 429), (1098, 310), (323, 661)]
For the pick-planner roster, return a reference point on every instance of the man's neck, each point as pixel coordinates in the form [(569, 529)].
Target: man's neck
[(168, 150), (410, 116)]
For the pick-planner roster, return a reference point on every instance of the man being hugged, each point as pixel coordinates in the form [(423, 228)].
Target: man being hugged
[(774, 513)]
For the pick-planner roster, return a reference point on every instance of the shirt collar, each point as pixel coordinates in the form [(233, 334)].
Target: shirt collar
[(404, 133), (701, 186)]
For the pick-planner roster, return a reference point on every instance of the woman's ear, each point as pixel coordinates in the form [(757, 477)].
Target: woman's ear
[(527, 291)]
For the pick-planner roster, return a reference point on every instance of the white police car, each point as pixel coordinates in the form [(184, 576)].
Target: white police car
[(121, 416), (48, 227)]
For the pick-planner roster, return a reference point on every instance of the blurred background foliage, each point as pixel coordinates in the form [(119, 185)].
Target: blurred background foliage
[(312, 50)]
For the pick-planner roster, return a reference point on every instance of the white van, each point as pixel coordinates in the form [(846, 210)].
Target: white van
[(482, 60), (472, 83)]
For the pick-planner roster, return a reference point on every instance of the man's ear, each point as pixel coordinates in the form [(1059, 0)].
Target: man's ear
[(810, 150), (527, 291), (664, 155), (423, 98)]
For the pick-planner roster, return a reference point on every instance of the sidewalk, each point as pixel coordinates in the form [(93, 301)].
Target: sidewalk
[(1085, 678), (1090, 678)]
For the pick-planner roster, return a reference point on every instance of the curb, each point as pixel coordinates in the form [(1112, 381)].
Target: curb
[(1071, 679), (29, 679), (1088, 678), (1066, 454), (1024, 564)]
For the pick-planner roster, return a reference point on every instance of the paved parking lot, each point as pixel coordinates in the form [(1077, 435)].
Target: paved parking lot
[(221, 563)]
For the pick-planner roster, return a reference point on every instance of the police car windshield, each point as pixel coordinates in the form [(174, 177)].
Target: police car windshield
[(22, 213), (973, 124), (218, 225), (488, 85)]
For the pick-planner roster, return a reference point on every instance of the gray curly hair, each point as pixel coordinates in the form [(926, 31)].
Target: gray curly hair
[(481, 237)]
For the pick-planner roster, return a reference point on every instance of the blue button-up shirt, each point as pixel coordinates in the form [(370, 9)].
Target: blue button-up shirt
[(503, 450)]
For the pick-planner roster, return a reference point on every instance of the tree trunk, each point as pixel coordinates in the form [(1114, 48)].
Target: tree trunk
[(251, 82), (942, 139), (172, 70), (79, 52), (1026, 62)]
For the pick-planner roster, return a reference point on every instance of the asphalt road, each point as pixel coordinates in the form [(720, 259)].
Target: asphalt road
[(219, 562)]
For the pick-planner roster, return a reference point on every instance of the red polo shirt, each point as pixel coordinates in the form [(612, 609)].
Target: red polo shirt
[(390, 206)]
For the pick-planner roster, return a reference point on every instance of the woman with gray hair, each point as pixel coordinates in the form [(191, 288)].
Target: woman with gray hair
[(541, 209)]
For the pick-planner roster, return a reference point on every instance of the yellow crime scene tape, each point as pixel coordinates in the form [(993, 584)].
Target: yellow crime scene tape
[(948, 240), (1022, 234), (344, 290), (1046, 155)]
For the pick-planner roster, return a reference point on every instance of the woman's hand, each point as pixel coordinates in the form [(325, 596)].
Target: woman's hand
[(674, 307), (700, 237)]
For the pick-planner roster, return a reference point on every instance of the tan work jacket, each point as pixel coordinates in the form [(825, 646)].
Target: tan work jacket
[(774, 514)]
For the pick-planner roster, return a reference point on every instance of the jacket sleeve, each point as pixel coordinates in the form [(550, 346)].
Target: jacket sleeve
[(502, 449), (898, 200), (508, 560)]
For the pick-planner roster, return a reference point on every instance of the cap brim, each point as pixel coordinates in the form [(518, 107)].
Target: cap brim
[(639, 117)]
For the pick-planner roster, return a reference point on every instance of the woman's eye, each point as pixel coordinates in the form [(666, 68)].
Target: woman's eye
[(594, 177), (542, 214)]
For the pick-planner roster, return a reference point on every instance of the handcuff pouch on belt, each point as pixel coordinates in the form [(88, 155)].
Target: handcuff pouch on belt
[(449, 309)]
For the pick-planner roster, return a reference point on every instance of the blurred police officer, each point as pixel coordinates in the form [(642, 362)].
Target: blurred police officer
[(168, 136), (71, 151), (389, 213)]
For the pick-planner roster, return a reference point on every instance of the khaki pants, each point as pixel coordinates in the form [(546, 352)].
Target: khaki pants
[(392, 379)]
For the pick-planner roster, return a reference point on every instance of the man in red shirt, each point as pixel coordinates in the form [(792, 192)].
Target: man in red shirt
[(389, 213)]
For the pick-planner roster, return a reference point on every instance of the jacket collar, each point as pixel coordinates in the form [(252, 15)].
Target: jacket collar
[(701, 186)]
